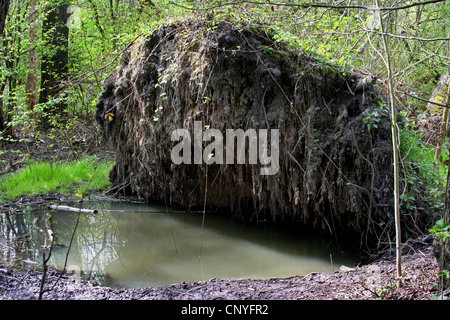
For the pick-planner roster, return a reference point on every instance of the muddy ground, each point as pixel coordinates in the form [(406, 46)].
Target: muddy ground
[(375, 281)]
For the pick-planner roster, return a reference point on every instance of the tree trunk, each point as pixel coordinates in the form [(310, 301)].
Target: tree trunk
[(32, 77), (2, 119), (97, 18), (394, 151), (443, 249), (4, 6), (10, 84), (54, 65)]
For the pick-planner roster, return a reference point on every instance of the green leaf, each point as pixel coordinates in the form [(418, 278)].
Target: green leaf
[(444, 273)]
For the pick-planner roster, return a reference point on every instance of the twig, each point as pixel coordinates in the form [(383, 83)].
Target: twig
[(45, 261), (42, 291)]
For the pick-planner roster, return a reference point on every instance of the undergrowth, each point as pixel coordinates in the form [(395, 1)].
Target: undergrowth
[(44, 177), (424, 174)]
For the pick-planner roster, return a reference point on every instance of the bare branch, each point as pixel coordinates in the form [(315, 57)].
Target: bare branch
[(310, 5), (425, 100), (408, 38)]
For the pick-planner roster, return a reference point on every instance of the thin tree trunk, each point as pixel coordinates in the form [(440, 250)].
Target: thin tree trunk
[(2, 119), (444, 254), (4, 7), (97, 18), (443, 248), (10, 84), (111, 11), (32, 77)]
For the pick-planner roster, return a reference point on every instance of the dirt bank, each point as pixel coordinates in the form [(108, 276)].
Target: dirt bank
[(369, 282)]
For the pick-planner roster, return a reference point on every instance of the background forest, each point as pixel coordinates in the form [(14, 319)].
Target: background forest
[(55, 55)]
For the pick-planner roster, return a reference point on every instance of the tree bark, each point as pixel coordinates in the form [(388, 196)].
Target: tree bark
[(4, 6), (442, 250), (32, 76), (10, 84), (54, 65), (2, 119)]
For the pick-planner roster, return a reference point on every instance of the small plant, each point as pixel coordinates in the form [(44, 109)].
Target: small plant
[(372, 119), (444, 273), (441, 230), (386, 290)]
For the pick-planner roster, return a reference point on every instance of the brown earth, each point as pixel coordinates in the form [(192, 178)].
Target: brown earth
[(375, 281)]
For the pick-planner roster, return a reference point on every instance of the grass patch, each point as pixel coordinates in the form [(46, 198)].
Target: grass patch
[(87, 174)]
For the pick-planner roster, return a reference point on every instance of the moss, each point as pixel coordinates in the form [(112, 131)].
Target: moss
[(439, 95)]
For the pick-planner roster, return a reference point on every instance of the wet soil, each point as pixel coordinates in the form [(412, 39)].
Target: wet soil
[(376, 281)]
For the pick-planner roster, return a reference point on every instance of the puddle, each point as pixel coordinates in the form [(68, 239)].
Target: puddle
[(135, 245)]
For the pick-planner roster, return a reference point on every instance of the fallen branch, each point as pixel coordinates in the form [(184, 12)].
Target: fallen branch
[(72, 209)]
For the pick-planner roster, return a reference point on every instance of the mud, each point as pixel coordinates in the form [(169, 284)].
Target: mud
[(375, 281)]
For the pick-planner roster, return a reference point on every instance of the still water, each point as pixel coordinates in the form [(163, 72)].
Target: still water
[(136, 245)]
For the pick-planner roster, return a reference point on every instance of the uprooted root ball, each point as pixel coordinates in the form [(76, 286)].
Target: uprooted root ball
[(334, 174)]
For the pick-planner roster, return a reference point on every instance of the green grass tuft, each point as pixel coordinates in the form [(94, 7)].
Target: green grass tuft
[(87, 174)]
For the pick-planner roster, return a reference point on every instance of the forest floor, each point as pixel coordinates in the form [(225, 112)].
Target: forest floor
[(376, 280)]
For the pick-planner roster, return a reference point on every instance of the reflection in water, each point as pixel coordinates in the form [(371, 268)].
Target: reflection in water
[(22, 236), (144, 245)]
